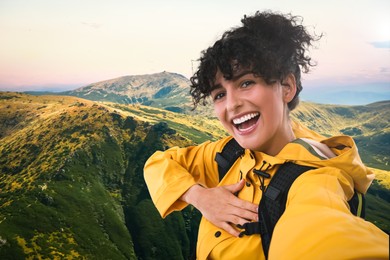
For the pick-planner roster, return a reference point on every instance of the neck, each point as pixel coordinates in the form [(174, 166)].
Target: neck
[(285, 136)]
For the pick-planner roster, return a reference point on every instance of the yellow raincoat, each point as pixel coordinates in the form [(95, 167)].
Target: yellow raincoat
[(316, 224)]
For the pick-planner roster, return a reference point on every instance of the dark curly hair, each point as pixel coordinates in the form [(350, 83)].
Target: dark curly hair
[(271, 45)]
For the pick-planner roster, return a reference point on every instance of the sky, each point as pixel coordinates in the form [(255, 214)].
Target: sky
[(64, 44)]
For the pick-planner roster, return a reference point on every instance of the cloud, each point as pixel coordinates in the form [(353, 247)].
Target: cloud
[(384, 70), (92, 25), (381, 45)]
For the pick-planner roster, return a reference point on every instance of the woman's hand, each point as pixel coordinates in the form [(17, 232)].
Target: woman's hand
[(221, 207)]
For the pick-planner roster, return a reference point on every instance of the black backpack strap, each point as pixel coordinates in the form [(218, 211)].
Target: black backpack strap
[(273, 202), (226, 158)]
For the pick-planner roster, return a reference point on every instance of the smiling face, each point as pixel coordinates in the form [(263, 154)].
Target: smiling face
[(253, 112)]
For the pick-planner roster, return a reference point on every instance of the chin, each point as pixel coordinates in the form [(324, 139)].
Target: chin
[(247, 144)]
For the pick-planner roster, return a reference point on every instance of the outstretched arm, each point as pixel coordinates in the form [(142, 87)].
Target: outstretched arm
[(317, 222)]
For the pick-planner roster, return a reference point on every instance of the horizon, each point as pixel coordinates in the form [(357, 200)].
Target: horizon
[(334, 95), (67, 44)]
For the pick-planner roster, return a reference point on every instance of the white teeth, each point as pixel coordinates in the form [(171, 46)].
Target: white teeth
[(242, 119)]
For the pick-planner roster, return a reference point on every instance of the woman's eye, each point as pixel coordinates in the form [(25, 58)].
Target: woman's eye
[(218, 96), (246, 84)]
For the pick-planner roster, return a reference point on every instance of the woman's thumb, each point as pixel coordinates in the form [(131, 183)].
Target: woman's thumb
[(233, 188)]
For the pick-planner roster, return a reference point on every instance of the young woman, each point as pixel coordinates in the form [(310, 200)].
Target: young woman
[(253, 76)]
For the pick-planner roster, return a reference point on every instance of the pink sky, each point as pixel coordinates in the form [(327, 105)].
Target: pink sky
[(73, 43)]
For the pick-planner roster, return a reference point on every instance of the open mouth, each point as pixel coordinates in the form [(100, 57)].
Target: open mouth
[(246, 122)]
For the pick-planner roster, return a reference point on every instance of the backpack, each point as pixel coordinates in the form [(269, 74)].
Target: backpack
[(273, 201)]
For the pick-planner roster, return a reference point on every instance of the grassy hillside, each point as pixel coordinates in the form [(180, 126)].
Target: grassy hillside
[(72, 185), (368, 125), (71, 182)]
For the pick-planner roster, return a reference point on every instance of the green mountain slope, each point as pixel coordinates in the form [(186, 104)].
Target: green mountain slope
[(72, 185), (164, 90), (71, 181), (368, 125)]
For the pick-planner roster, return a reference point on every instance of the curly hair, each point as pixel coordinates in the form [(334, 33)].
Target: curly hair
[(271, 45)]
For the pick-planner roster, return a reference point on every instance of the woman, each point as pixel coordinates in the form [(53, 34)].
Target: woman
[(253, 76)]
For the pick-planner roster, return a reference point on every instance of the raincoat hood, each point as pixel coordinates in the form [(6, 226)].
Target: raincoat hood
[(339, 152)]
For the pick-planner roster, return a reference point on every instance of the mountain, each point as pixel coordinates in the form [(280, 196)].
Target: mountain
[(71, 174), (346, 97), (164, 90), (71, 179), (369, 125)]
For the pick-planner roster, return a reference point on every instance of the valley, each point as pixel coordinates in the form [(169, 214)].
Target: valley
[(71, 175)]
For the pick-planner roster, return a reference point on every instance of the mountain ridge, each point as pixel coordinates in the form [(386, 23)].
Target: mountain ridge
[(71, 179), (115, 91), (71, 175), (164, 90)]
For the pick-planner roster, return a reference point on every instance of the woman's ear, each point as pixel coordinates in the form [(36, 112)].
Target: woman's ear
[(289, 88)]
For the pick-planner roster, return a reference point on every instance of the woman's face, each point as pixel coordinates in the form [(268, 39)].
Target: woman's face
[(253, 112)]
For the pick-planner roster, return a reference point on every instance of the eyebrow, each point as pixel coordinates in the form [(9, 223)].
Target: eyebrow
[(214, 87), (241, 74), (234, 78)]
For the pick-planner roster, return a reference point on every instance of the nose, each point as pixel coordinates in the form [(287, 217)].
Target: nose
[(233, 100)]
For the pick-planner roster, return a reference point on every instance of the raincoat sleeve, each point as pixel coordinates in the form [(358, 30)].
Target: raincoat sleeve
[(171, 173), (317, 223)]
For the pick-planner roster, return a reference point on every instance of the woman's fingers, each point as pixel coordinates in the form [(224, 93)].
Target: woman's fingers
[(230, 229), (224, 209)]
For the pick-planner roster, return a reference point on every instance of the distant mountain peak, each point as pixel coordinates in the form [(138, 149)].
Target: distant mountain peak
[(137, 81), (164, 90)]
